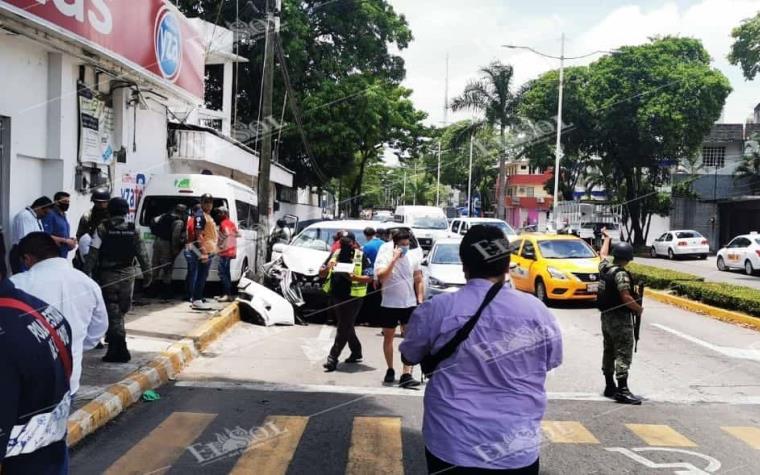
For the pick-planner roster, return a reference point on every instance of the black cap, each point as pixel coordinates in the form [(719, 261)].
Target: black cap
[(100, 195), (206, 197), (118, 207), (622, 251)]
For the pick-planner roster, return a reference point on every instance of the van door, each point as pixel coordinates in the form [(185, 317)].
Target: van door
[(246, 223)]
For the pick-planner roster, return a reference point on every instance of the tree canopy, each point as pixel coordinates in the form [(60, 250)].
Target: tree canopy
[(745, 51)]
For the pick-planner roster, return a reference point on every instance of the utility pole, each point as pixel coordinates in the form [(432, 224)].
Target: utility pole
[(469, 183), (558, 145), (414, 194), (265, 159), (438, 179), (403, 192), (445, 121)]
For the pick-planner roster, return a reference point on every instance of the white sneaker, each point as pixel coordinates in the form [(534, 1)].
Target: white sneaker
[(201, 305), (225, 298)]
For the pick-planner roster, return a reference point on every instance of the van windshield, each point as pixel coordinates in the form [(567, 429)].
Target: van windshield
[(154, 206), (428, 222)]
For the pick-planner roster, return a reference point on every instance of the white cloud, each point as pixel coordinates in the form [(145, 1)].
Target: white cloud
[(473, 35)]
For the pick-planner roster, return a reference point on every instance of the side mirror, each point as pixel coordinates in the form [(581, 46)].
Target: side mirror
[(279, 247), (529, 255)]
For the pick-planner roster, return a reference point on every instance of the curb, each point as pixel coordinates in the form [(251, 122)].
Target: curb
[(166, 366), (704, 309)]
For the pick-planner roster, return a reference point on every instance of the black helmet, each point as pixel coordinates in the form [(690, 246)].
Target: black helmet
[(206, 197), (100, 195), (622, 251), (118, 207)]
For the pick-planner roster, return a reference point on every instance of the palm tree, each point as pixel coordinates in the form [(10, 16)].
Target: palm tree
[(492, 96), (749, 170)]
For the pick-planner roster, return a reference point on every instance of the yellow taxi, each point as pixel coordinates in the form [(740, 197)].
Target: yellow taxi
[(555, 267)]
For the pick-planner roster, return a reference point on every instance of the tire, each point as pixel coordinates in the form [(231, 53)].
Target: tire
[(541, 292), (748, 269), (703, 257), (671, 256), (653, 253), (721, 264)]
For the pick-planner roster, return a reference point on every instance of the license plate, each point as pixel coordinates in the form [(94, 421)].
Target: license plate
[(592, 288)]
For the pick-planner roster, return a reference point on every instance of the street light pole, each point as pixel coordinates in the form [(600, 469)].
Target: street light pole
[(558, 146), (469, 183), (438, 179)]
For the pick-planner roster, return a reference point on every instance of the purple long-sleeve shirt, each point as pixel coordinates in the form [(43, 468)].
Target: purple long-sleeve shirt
[(484, 405)]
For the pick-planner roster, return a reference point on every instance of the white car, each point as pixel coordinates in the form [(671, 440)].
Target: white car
[(460, 226), (680, 243), (743, 252)]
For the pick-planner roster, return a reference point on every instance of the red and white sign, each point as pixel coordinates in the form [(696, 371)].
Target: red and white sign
[(150, 36)]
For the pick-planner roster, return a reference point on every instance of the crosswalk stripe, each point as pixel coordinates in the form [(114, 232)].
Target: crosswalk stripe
[(274, 454), (567, 432), (748, 435), (375, 446), (660, 435), (156, 452)]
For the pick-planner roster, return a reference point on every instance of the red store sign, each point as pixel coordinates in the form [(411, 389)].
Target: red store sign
[(146, 35)]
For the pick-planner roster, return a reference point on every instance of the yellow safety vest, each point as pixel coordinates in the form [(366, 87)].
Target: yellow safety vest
[(358, 289)]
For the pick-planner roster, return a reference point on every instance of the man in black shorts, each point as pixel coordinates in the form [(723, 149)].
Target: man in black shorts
[(400, 274)]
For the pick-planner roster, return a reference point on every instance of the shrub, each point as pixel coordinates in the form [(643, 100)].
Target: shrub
[(657, 278), (730, 297)]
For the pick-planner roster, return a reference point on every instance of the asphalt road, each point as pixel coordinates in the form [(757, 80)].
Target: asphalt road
[(706, 268), (265, 387)]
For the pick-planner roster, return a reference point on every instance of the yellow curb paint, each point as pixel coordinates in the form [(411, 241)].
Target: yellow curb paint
[(567, 432), (156, 452), (704, 309), (273, 446), (748, 435), (375, 446), (660, 435), (98, 412)]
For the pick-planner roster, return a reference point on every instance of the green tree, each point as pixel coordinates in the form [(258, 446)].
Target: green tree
[(652, 103), (748, 170), (492, 96), (745, 51)]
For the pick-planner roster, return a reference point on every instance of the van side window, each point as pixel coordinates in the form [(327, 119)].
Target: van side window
[(246, 215)]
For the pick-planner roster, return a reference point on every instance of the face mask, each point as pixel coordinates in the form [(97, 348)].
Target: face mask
[(64, 206), (404, 250)]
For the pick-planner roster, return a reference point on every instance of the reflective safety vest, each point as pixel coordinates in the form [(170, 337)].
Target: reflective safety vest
[(358, 289)]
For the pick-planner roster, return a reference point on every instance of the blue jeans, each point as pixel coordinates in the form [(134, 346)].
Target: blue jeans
[(225, 275), (197, 273)]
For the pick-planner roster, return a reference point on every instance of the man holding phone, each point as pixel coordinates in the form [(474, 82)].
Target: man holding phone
[(400, 274)]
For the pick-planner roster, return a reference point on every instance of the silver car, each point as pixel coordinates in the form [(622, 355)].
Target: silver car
[(443, 268)]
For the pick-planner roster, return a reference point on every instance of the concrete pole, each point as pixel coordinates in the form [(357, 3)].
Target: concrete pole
[(558, 146), (469, 183)]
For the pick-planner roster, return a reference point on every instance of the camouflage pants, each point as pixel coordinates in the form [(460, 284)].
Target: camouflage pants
[(163, 261), (117, 285), (617, 330)]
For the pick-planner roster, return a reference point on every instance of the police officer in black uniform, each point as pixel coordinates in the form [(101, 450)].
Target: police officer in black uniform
[(618, 305), (114, 248)]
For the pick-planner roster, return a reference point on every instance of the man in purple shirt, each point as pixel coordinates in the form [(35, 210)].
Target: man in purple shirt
[(484, 404)]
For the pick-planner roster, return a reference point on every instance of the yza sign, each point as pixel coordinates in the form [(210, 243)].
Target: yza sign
[(148, 36)]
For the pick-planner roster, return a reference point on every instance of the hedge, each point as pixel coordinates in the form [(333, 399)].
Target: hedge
[(731, 297), (727, 296), (657, 278)]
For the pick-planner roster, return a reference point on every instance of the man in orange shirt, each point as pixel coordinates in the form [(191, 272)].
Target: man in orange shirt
[(228, 234), (200, 249)]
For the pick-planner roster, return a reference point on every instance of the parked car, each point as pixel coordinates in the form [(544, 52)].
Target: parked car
[(429, 223), (460, 226), (382, 215), (743, 252), (297, 264), (680, 243), (164, 192), (555, 267)]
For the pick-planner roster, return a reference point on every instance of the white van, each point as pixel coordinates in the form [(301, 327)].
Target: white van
[(164, 192), (429, 223)]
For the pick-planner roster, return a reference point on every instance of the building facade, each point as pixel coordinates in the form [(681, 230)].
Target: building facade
[(527, 202)]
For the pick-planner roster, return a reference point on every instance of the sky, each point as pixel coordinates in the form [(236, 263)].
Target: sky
[(471, 33)]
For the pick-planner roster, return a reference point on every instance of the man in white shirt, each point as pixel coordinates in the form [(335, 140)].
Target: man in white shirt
[(400, 274), (27, 221), (52, 279)]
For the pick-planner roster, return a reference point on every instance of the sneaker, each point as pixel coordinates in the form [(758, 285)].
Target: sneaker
[(200, 305), (407, 381), (354, 359), (390, 376), (224, 298)]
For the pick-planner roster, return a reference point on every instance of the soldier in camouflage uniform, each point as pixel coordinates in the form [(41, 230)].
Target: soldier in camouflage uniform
[(99, 212), (114, 248), (618, 306)]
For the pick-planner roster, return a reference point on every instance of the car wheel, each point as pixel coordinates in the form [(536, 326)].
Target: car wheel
[(541, 292), (671, 256), (703, 257), (721, 264), (653, 252), (748, 268)]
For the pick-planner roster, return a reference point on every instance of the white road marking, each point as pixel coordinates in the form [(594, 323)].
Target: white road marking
[(395, 391), (713, 465), (738, 353)]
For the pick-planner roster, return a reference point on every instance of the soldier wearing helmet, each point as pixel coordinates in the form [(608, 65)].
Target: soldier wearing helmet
[(618, 306), (115, 245), (99, 211)]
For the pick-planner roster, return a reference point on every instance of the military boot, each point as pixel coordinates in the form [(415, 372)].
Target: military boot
[(331, 364), (624, 395), (610, 388), (117, 351)]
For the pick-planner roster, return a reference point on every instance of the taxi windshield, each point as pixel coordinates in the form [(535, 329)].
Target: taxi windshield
[(566, 249)]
